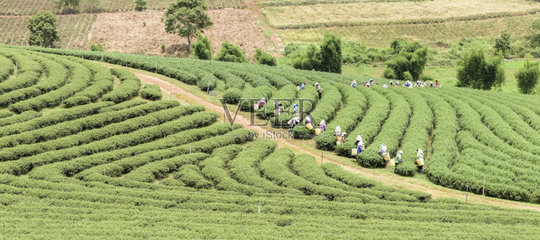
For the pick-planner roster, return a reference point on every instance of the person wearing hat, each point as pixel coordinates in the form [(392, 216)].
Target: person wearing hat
[(398, 160), (420, 160)]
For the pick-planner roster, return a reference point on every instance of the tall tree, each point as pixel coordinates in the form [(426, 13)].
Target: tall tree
[(406, 61), (477, 72), (502, 44), (310, 59), (42, 28), (331, 57), (527, 76), (186, 18)]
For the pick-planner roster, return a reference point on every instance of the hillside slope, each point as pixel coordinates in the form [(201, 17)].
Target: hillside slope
[(117, 166)]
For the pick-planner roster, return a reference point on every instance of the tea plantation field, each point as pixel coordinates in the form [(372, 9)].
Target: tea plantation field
[(84, 154)]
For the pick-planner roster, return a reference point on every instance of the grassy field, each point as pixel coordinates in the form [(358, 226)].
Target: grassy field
[(427, 33), (445, 74), (373, 12), (428, 21)]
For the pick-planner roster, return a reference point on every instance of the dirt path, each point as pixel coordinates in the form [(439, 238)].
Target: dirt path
[(387, 179)]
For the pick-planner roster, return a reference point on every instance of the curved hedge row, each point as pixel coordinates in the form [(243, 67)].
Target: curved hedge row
[(101, 84), (28, 72), (417, 134), (151, 92), (6, 67), (128, 88), (368, 128), (347, 118), (79, 79), (391, 132)]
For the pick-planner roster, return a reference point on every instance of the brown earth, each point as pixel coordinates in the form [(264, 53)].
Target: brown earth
[(391, 180), (144, 33)]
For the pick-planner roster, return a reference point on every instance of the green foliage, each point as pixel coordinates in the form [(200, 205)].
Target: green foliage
[(265, 58), (202, 49), (477, 72), (42, 28), (186, 18), (151, 92), (528, 76), (232, 95), (140, 4), (70, 4), (326, 58), (354, 52), (310, 59), (129, 87), (331, 57), (96, 47), (407, 61), (231, 53), (503, 43)]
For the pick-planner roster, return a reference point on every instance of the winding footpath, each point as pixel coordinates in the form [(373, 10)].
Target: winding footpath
[(387, 179)]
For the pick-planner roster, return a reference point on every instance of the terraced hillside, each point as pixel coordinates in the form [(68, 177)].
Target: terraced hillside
[(116, 26), (83, 156), (29, 7), (467, 135)]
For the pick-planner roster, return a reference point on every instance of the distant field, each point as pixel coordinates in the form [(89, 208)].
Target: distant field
[(313, 2), (73, 30), (29, 7), (376, 12), (447, 75), (429, 33)]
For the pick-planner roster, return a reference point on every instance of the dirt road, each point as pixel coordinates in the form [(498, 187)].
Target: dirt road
[(390, 180)]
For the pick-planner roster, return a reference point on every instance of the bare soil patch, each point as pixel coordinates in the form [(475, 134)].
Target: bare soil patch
[(144, 33)]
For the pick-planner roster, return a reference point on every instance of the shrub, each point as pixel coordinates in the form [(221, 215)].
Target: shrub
[(202, 48), (302, 132), (231, 53), (96, 47), (502, 44), (140, 4), (232, 95), (477, 72), (265, 58), (527, 76), (151, 92), (412, 62)]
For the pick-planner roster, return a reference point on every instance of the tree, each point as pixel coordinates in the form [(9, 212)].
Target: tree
[(502, 44), (264, 58), (186, 18), (331, 58), (140, 4), (412, 62), (309, 60), (231, 53), (42, 28), (527, 76), (535, 27), (202, 49), (69, 4), (477, 72)]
